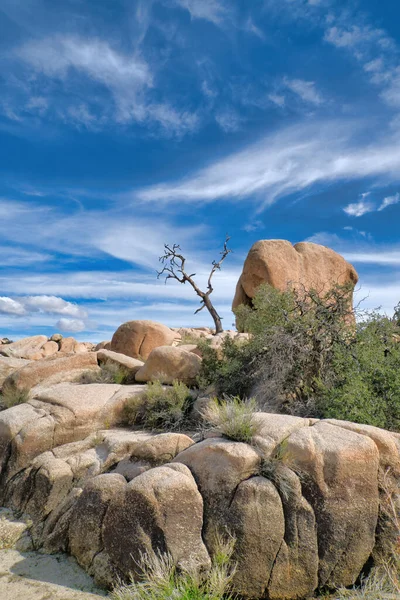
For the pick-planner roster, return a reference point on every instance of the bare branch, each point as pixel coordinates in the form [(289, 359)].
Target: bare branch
[(173, 263), (199, 309), (216, 266)]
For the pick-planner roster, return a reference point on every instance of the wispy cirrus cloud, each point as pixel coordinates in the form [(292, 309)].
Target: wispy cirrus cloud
[(363, 206), (127, 78), (306, 90), (210, 10), (290, 161), (389, 201)]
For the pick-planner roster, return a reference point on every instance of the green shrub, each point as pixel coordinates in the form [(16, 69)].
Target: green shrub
[(307, 357), (11, 396), (162, 580), (233, 417), (109, 373), (159, 407), (366, 383)]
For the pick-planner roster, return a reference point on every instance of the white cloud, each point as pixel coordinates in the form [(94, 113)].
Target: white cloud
[(52, 305), (19, 257), (277, 99), (27, 305), (375, 257), (306, 90), (209, 10), (228, 120), (289, 161), (127, 77), (8, 306), (389, 200), (355, 36), (71, 325), (358, 209), (253, 226), (250, 27), (56, 56)]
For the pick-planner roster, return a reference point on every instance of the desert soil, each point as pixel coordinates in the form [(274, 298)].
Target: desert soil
[(34, 576)]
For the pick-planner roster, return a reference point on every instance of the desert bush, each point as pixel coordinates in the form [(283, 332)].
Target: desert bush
[(233, 417), (365, 386), (162, 580), (159, 407), (308, 357), (11, 396), (109, 373), (290, 351)]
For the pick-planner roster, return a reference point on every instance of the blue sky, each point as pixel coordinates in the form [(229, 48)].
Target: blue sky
[(125, 124)]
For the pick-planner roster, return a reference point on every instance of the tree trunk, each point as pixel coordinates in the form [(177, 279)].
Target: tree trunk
[(214, 314)]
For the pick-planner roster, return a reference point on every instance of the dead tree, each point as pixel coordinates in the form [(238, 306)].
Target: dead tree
[(174, 268)]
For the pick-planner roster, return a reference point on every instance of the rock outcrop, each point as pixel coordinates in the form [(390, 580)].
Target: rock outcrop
[(305, 265), (49, 371), (303, 500), (167, 364), (28, 348), (138, 338)]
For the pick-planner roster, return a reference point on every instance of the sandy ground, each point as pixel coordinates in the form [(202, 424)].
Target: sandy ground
[(34, 576)]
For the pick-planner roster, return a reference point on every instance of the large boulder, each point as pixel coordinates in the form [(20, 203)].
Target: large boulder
[(339, 473), (138, 338), (167, 364), (160, 510), (305, 265), (29, 348), (52, 370)]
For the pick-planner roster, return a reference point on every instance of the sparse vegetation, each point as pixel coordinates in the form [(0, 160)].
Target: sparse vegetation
[(108, 373), (276, 470), (10, 396), (159, 407), (162, 579), (233, 417)]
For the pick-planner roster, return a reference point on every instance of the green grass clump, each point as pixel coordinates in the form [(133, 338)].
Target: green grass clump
[(109, 373), (159, 407), (11, 396), (163, 580), (233, 417)]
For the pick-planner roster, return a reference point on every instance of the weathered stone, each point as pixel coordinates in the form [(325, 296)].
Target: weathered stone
[(219, 466), (51, 370), (67, 345), (9, 365), (257, 522), (339, 472), (305, 265), (85, 530), (25, 348), (273, 429), (131, 365), (160, 510), (295, 571), (167, 364), (56, 416), (138, 338), (106, 345)]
